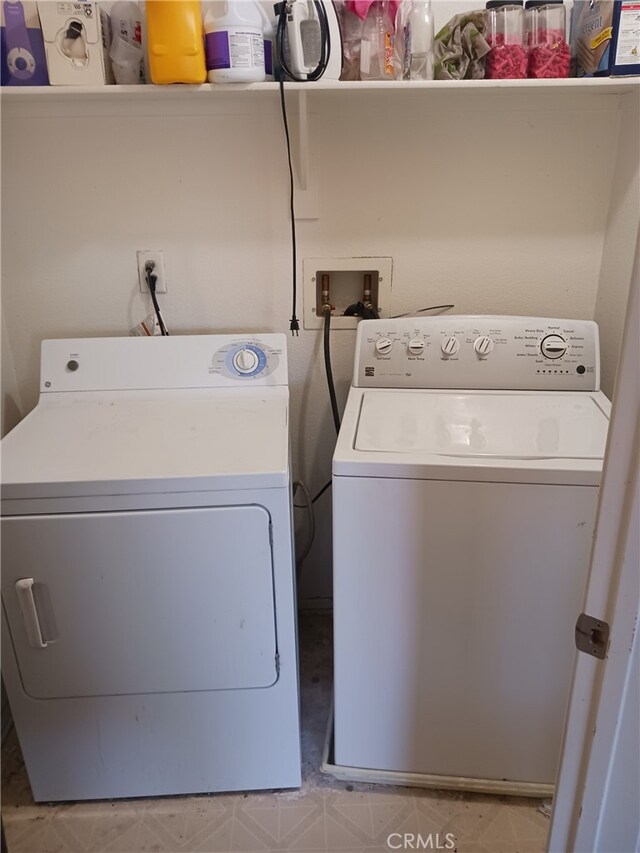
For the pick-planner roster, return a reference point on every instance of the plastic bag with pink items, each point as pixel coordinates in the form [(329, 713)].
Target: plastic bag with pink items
[(361, 7), (352, 15)]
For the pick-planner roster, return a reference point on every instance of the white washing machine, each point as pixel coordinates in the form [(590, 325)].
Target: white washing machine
[(148, 636), (465, 485)]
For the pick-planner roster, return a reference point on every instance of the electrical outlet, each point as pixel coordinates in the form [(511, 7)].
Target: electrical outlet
[(346, 286), (145, 256)]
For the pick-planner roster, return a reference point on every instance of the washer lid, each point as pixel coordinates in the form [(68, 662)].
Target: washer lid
[(493, 425), (97, 443)]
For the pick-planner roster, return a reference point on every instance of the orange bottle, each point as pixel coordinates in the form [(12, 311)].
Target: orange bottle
[(175, 40)]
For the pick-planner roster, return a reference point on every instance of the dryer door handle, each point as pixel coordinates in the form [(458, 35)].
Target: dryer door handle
[(24, 590)]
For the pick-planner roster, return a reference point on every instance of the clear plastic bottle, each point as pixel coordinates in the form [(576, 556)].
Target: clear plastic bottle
[(418, 42), (376, 47), (546, 39), (507, 59)]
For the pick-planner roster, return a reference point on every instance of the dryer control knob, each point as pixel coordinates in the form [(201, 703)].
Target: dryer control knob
[(450, 346), (245, 361), (483, 346), (384, 345), (416, 346), (553, 346)]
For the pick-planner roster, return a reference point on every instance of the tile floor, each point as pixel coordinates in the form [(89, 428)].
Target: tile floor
[(325, 815)]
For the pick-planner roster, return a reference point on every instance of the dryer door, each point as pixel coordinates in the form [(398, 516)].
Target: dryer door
[(140, 602)]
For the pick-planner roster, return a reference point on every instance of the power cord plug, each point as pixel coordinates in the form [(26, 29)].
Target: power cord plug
[(152, 278)]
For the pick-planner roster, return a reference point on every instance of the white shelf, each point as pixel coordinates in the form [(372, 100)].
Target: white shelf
[(605, 85)]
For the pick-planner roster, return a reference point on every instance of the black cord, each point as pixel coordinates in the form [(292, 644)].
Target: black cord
[(327, 365), (285, 71), (294, 325), (317, 497), (422, 310), (356, 310), (321, 492), (156, 308), (152, 278)]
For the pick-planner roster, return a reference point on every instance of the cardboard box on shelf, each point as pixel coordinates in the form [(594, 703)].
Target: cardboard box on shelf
[(77, 37), (605, 38), (625, 45)]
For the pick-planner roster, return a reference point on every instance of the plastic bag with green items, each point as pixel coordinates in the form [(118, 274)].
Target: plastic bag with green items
[(460, 48)]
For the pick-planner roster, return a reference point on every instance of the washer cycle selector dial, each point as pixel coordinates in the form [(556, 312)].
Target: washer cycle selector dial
[(384, 345), (450, 346), (245, 360), (553, 346), (483, 346)]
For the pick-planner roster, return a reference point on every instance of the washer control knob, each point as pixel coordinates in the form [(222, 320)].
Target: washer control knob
[(416, 346), (450, 346), (383, 346), (553, 346), (245, 360), (483, 346)]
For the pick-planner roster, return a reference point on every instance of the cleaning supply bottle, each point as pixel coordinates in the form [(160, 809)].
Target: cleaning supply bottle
[(234, 42), (127, 58), (175, 41), (376, 47)]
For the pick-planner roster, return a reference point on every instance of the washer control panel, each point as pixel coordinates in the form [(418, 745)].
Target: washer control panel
[(478, 352)]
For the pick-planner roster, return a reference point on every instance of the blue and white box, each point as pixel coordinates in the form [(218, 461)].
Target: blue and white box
[(605, 38)]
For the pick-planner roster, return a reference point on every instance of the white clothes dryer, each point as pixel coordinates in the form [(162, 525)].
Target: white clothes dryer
[(148, 637), (465, 487)]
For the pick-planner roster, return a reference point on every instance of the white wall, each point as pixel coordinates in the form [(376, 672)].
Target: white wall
[(620, 239), (496, 205), (620, 820), (10, 407)]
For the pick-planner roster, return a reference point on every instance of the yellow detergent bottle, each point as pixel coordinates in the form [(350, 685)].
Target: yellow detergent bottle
[(176, 41)]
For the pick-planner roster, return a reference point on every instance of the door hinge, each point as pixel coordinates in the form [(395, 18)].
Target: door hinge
[(592, 636), (277, 664), (271, 534)]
